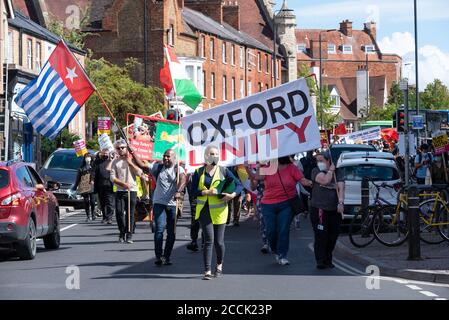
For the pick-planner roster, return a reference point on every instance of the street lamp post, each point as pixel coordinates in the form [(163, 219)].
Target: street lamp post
[(274, 46), (321, 73)]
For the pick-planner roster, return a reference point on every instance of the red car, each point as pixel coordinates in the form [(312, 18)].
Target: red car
[(28, 210)]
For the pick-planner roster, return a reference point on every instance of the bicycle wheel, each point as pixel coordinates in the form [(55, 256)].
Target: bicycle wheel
[(361, 229), (390, 227), (428, 232), (442, 223)]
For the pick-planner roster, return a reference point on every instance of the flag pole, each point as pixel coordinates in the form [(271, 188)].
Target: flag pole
[(177, 175), (129, 191)]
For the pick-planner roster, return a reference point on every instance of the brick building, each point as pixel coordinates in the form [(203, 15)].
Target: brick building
[(351, 62)]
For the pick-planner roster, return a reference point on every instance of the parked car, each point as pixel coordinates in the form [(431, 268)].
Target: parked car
[(28, 210), (62, 167), (337, 149), (377, 165)]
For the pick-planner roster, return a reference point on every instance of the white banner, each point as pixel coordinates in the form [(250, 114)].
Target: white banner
[(271, 124), (362, 136)]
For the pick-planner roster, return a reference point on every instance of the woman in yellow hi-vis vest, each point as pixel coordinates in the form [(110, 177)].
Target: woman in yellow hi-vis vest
[(212, 208)]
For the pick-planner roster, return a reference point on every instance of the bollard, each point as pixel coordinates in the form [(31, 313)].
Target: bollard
[(414, 242)]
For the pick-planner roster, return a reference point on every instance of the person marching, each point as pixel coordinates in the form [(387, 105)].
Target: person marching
[(327, 209), (85, 183), (166, 193), (212, 208), (123, 175), (104, 186)]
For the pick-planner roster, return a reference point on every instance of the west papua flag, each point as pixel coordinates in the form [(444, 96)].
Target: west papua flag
[(54, 98)]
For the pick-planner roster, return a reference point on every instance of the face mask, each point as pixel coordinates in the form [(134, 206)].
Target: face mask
[(322, 166), (212, 160), (88, 160)]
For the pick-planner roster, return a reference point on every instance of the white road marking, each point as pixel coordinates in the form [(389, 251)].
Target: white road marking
[(68, 227), (413, 287), (443, 299), (428, 293)]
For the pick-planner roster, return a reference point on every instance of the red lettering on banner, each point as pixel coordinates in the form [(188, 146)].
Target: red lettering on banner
[(192, 159), (254, 143), (227, 147), (273, 132), (301, 130)]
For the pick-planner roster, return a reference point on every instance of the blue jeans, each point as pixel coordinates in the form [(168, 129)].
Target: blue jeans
[(164, 216), (278, 217)]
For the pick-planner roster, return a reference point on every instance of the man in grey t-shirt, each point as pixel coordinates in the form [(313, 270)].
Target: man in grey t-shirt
[(166, 193)]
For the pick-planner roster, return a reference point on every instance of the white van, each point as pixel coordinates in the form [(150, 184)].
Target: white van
[(353, 168)]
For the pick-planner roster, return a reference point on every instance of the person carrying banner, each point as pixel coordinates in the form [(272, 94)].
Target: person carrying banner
[(327, 209), (165, 195), (84, 184), (104, 186), (212, 206), (280, 189), (123, 175)]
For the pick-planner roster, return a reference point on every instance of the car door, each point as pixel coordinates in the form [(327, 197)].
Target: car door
[(45, 200), (28, 188)]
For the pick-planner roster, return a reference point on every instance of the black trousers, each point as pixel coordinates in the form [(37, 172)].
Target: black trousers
[(107, 203), (122, 214), (325, 239), (89, 204), (194, 224), (235, 205), (213, 234)]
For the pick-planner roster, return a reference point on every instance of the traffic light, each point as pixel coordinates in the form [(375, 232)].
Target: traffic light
[(173, 115), (399, 121)]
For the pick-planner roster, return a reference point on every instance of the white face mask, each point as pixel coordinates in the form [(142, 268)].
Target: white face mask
[(212, 160), (322, 166), (88, 160)]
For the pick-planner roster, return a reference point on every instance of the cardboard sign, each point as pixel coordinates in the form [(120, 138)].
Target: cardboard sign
[(440, 143), (104, 125), (80, 148), (105, 142)]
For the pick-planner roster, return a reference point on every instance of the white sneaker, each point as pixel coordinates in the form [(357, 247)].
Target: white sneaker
[(277, 258), (284, 262)]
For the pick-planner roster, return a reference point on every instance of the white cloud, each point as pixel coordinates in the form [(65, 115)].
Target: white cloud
[(433, 62)]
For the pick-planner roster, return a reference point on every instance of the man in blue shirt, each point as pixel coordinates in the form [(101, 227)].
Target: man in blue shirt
[(423, 160)]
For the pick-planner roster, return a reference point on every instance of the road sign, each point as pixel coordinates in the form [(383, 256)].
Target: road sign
[(403, 84), (418, 122)]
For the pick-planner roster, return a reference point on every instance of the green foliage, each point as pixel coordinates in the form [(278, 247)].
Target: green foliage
[(122, 94), (74, 36), (93, 143), (435, 96), (325, 118), (64, 140)]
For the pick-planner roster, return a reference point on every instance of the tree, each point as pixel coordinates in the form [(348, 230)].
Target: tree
[(323, 111), (376, 112), (435, 96), (396, 96), (64, 140)]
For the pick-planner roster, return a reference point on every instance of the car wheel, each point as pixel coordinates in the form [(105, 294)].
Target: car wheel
[(27, 248), (53, 240)]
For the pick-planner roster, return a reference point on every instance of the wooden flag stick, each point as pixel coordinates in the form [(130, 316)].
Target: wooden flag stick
[(177, 174)]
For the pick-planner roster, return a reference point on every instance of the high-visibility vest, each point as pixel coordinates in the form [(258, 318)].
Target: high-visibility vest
[(139, 187), (218, 208)]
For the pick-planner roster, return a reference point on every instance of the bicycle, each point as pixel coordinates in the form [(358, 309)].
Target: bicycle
[(434, 218)]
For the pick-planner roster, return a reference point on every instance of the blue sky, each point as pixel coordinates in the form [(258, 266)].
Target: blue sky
[(395, 28)]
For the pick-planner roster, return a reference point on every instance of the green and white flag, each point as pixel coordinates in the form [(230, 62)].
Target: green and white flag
[(175, 81)]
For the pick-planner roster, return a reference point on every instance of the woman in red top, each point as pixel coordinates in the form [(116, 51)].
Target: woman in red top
[(280, 186)]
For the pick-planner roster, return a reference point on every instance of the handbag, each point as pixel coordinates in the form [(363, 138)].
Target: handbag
[(296, 203)]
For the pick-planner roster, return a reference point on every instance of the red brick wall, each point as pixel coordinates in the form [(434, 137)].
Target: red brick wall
[(211, 8), (231, 15)]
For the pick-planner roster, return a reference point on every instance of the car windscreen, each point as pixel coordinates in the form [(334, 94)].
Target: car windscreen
[(4, 178), (63, 161), (336, 152), (377, 173)]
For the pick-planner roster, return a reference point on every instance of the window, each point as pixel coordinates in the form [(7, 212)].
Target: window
[(199, 80), (331, 48), (302, 47), (225, 89), (370, 49), (189, 71), (24, 177), (212, 85), (212, 49), (267, 87), (30, 54), (233, 55), (278, 63), (242, 57), (233, 89), (356, 173), (251, 57), (260, 86), (250, 87), (34, 176), (335, 100), (259, 62), (223, 52), (242, 88), (203, 46), (347, 49), (10, 51), (204, 83), (171, 35), (267, 64), (67, 161), (38, 56)]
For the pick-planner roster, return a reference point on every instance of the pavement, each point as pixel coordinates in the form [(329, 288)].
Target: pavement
[(91, 257), (393, 261)]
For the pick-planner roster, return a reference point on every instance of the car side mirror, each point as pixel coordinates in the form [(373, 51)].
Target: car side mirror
[(52, 186)]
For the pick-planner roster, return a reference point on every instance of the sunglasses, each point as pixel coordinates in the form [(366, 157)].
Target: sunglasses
[(121, 148)]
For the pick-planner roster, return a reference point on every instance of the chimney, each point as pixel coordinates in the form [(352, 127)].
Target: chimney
[(231, 14), (370, 28), (362, 89), (346, 28), (315, 48), (211, 8)]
